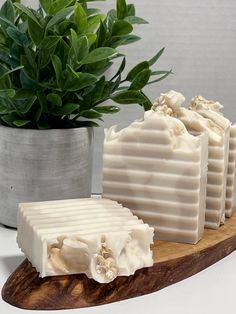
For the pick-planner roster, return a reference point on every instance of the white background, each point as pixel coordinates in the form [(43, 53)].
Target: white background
[(200, 41)]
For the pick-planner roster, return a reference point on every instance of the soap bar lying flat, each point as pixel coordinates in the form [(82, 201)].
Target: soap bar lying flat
[(158, 170), (97, 237), (217, 154)]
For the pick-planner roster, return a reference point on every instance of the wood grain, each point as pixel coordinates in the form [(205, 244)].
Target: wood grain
[(173, 262)]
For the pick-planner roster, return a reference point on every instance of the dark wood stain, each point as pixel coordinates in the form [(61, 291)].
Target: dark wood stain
[(173, 262)]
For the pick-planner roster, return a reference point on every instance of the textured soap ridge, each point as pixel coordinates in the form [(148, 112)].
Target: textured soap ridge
[(210, 109), (231, 173), (218, 139), (98, 237), (147, 167)]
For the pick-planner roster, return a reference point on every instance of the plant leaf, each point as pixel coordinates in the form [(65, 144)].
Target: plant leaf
[(7, 10), (5, 57), (83, 45), (46, 5), (54, 99), (160, 78), (58, 5), (57, 65), (80, 18), (120, 70), (135, 20), (29, 70), (49, 42), (91, 38), (65, 110), (79, 49), (20, 123), (9, 118), (140, 80), (121, 27), (10, 71), (5, 93), (45, 57), (92, 11), (90, 114), (107, 109), (147, 105), (160, 72), (27, 11), (111, 18), (94, 22), (156, 57), (123, 40), (136, 70), (102, 34), (61, 15), (128, 97), (20, 38), (35, 31), (99, 54), (5, 23), (121, 9), (24, 94), (78, 81), (26, 82), (66, 26), (130, 10), (24, 108)]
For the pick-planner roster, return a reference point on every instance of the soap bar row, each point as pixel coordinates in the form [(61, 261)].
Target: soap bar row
[(175, 169)]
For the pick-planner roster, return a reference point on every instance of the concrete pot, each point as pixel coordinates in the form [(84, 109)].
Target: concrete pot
[(40, 165)]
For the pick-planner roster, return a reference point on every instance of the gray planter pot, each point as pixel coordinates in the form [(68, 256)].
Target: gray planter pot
[(43, 165)]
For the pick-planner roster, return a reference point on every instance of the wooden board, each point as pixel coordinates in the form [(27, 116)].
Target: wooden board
[(173, 262)]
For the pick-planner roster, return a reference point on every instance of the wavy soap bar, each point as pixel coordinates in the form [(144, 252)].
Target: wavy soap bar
[(97, 237), (211, 110), (231, 175), (218, 142), (158, 170)]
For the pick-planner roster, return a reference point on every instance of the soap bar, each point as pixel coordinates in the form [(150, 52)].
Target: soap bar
[(218, 140), (158, 170), (97, 237), (231, 175), (211, 110)]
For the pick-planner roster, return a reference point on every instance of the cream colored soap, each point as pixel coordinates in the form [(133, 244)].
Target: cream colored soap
[(231, 175), (218, 141), (211, 110), (158, 170), (97, 237)]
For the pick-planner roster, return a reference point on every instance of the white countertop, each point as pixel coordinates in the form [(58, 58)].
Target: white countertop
[(210, 291)]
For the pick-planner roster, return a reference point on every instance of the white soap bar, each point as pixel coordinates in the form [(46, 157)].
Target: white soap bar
[(211, 110), (217, 154), (97, 237), (231, 175), (158, 170)]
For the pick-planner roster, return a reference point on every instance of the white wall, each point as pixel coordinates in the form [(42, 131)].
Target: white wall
[(200, 41)]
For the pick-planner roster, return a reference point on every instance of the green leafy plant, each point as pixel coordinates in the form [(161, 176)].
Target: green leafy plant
[(53, 63)]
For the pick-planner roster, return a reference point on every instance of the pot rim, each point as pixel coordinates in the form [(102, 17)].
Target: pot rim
[(14, 129)]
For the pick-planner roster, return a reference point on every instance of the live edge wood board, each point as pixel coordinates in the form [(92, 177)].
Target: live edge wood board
[(173, 262)]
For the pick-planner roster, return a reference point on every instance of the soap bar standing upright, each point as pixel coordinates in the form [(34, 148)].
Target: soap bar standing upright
[(217, 153), (158, 170), (211, 110), (231, 175)]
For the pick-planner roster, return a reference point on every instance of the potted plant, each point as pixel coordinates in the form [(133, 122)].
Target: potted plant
[(52, 86)]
